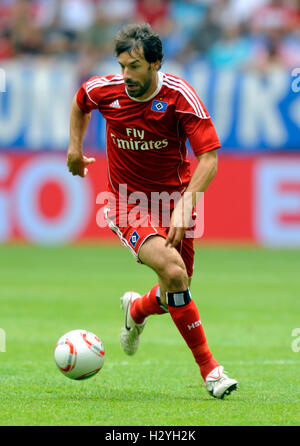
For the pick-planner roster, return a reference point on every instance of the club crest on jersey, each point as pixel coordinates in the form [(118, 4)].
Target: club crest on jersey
[(134, 238), (159, 106)]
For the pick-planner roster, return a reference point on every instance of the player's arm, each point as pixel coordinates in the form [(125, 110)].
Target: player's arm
[(76, 161), (202, 176)]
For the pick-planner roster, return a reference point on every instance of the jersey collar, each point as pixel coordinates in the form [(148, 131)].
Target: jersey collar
[(159, 85)]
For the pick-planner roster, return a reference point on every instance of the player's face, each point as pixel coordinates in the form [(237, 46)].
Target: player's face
[(139, 75)]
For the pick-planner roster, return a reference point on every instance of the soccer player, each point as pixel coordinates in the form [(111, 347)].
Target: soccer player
[(149, 116)]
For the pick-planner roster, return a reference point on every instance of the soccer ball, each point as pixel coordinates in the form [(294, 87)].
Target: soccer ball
[(79, 354)]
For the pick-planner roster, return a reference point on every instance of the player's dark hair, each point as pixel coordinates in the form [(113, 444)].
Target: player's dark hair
[(134, 37)]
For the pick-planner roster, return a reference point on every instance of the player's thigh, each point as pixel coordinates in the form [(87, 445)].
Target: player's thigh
[(163, 260)]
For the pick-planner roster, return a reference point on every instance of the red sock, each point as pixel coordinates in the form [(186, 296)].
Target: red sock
[(146, 305), (187, 320)]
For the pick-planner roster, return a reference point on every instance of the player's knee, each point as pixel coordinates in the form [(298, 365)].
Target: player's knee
[(175, 277)]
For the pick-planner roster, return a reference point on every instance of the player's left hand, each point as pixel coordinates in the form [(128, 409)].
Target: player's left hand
[(180, 222)]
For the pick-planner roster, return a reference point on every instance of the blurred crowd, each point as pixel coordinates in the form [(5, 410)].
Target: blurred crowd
[(225, 33)]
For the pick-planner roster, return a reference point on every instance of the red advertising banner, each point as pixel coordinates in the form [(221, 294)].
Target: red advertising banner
[(252, 199)]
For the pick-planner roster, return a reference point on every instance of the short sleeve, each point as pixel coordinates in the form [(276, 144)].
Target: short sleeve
[(195, 121), (87, 97), (201, 133)]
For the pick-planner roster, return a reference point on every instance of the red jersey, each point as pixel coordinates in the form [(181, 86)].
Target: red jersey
[(146, 140)]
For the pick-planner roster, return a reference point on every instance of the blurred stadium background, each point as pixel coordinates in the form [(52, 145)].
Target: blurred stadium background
[(243, 58)]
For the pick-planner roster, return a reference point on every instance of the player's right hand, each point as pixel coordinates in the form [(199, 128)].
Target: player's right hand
[(77, 164)]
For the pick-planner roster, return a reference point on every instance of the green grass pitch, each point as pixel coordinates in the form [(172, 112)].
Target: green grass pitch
[(248, 300)]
